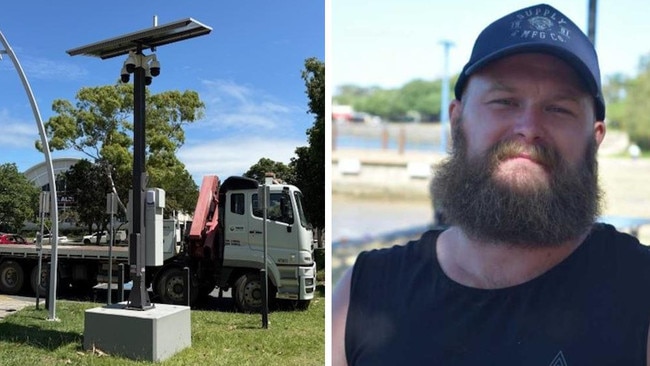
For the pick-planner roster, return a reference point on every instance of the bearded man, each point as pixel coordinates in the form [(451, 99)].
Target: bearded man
[(524, 275)]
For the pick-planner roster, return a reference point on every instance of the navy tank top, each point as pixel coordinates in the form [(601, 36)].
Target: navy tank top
[(592, 308)]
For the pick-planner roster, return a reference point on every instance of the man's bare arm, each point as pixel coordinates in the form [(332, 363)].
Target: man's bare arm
[(340, 302)]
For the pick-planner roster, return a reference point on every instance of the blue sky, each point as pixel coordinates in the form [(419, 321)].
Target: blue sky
[(392, 42), (247, 71)]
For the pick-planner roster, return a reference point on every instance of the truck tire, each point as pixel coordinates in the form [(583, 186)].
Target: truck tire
[(12, 277), (293, 305), (170, 287), (300, 305), (40, 286), (247, 293)]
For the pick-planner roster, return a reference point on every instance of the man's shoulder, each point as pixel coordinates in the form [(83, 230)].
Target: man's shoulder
[(620, 248), (608, 235), (416, 247)]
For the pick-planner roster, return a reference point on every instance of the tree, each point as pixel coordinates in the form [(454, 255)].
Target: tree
[(417, 97), (100, 126), (637, 118), (258, 170), (168, 173), (88, 185), (309, 166), (615, 91), (18, 198)]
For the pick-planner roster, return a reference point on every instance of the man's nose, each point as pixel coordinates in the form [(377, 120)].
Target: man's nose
[(529, 124)]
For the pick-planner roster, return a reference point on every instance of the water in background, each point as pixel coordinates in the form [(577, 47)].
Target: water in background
[(372, 142), (389, 136), (358, 221), (361, 220)]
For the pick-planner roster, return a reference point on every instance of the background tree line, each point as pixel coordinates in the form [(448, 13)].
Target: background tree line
[(100, 126), (626, 97)]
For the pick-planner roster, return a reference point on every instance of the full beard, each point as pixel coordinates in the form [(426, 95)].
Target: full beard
[(498, 211)]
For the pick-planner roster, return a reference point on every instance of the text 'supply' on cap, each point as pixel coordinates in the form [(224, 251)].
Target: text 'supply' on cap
[(539, 28)]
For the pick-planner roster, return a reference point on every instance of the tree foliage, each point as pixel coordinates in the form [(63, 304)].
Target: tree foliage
[(258, 171), (18, 198), (636, 111), (418, 97), (168, 173), (309, 166), (88, 185), (100, 126)]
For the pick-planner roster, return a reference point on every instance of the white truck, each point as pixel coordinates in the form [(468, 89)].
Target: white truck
[(223, 248)]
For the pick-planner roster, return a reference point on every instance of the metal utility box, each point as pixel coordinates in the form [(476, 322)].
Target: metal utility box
[(153, 222)]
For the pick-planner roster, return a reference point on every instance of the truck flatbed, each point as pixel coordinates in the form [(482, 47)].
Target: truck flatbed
[(65, 251)]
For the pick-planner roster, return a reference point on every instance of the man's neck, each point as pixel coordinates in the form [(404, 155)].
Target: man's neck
[(489, 265)]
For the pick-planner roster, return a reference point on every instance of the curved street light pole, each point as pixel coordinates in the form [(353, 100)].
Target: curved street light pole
[(50, 174)]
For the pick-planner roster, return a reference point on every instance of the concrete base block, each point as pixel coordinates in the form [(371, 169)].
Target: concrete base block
[(152, 335)]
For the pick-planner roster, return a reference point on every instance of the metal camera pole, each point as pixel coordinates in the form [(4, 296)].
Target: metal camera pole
[(133, 44), (138, 297)]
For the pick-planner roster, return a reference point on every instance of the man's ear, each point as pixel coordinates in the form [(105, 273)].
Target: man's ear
[(455, 111), (599, 131)]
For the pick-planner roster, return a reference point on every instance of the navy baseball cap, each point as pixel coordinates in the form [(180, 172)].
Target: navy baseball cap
[(539, 28)]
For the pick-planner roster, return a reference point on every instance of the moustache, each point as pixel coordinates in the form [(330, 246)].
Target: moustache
[(538, 153)]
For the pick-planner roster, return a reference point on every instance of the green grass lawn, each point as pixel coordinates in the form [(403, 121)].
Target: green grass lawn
[(218, 338)]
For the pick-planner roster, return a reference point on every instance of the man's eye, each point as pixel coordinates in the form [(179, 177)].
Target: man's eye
[(504, 102), (556, 109)]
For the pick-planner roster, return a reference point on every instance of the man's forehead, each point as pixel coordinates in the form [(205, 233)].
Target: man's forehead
[(501, 73)]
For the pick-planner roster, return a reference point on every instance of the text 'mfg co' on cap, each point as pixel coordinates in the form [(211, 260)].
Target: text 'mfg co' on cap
[(539, 28)]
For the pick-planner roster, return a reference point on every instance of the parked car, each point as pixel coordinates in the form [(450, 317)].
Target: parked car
[(12, 239), (47, 239), (92, 238), (105, 237)]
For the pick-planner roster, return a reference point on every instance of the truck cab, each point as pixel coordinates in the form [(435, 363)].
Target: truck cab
[(291, 266)]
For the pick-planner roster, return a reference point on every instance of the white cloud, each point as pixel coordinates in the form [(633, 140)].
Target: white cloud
[(234, 106), (46, 69), (234, 155), (16, 133)]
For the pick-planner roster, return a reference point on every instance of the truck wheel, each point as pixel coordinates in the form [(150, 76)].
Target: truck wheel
[(301, 305), (171, 288), (293, 305), (247, 293), (40, 286), (12, 277)]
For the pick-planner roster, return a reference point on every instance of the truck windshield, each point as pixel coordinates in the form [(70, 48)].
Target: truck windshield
[(301, 213), (279, 208)]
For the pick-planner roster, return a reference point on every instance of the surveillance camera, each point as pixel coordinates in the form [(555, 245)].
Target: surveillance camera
[(155, 67), (147, 77), (130, 63), (124, 75)]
